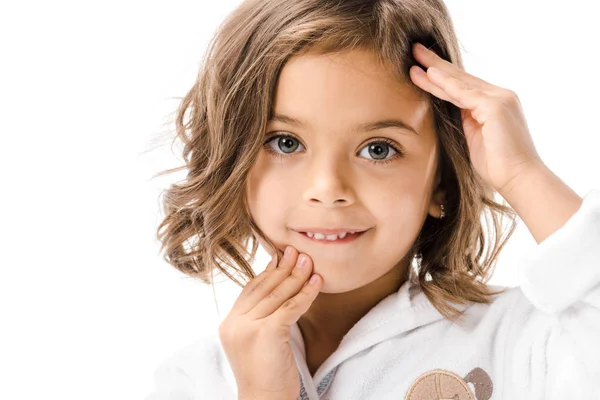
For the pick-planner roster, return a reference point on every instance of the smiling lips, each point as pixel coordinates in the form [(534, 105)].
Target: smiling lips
[(339, 238)]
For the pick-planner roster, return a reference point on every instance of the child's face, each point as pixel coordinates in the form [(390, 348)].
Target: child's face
[(327, 179)]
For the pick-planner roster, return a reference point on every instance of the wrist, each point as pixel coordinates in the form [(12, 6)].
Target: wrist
[(536, 171)]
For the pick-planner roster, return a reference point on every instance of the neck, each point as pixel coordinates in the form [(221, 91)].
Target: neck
[(332, 315)]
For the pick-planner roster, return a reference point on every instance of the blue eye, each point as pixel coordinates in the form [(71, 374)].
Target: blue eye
[(379, 150), (283, 142), (286, 144)]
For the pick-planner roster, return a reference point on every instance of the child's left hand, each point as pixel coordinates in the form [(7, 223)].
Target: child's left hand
[(500, 145)]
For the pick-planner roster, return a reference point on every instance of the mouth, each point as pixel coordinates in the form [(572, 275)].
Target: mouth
[(332, 239)]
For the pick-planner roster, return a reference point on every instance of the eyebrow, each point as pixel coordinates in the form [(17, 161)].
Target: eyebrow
[(365, 127)]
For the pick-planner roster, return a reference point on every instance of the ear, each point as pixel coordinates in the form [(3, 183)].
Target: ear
[(438, 197)]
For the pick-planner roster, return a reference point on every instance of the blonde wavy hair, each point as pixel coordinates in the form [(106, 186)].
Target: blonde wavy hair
[(222, 118)]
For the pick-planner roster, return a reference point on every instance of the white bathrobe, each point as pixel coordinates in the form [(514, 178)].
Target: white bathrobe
[(539, 340)]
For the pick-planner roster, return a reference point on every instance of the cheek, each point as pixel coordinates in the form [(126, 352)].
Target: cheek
[(269, 189), (267, 197), (398, 212)]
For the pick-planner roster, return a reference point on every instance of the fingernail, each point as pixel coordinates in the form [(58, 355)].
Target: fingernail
[(437, 71), (288, 251), (419, 45), (302, 260), (419, 71)]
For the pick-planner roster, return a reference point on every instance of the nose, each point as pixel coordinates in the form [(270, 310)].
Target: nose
[(328, 182)]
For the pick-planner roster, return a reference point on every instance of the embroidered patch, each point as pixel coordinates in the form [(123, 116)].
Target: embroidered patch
[(445, 385)]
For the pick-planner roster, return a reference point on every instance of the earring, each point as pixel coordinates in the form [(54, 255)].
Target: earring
[(442, 214)]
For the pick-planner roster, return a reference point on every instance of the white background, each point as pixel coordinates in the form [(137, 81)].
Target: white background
[(88, 308)]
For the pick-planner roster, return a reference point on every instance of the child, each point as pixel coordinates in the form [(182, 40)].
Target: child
[(323, 128)]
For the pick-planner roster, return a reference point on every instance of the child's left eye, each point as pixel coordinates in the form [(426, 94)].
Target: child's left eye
[(377, 148), (381, 144)]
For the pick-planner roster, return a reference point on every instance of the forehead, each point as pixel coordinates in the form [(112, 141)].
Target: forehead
[(351, 64), (347, 87)]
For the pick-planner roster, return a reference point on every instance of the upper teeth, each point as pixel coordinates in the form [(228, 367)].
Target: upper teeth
[(320, 236)]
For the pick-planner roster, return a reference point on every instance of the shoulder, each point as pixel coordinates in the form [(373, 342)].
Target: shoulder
[(507, 297), (196, 369), (196, 356), (509, 307)]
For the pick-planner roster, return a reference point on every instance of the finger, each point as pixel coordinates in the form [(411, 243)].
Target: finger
[(287, 288), (258, 288), (421, 79), (459, 92), (273, 263), (429, 58), (290, 312)]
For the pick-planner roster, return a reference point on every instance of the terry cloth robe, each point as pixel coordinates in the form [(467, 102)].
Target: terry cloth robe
[(538, 340)]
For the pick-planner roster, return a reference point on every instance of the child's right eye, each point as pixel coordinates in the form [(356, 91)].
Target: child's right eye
[(284, 143)]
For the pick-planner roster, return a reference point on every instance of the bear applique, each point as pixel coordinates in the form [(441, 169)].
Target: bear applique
[(439, 384)]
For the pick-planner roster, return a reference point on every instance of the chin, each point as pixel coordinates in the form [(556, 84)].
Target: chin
[(333, 284)]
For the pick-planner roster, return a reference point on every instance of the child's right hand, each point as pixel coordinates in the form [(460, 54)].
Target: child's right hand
[(256, 333)]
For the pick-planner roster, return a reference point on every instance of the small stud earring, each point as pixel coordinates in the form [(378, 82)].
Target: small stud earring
[(443, 214)]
